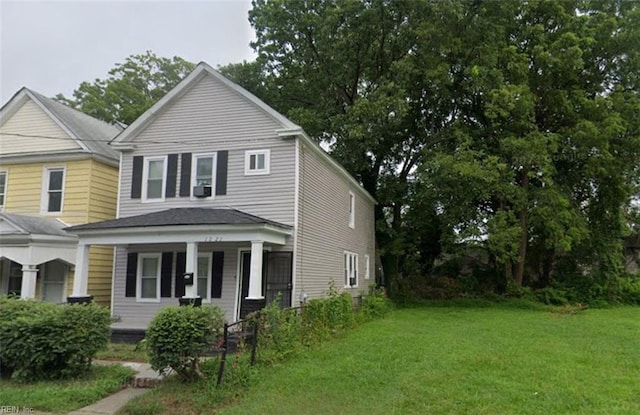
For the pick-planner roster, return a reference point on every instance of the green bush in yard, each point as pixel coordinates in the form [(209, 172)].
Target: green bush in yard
[(41, 340), (375, 305), (279, 331), (179, 336), (323, 317)]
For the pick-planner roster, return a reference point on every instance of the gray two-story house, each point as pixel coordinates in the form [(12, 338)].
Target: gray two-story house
[(224, 200)]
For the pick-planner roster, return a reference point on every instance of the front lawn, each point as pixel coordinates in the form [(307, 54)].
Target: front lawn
[(67, 395), (448, 360)]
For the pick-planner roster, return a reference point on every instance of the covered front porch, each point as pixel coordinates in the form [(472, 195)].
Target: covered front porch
[(221, 257), (36, 255)]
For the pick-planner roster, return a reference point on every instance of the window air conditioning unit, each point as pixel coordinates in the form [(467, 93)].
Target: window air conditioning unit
[(352, 282), (202, 191)]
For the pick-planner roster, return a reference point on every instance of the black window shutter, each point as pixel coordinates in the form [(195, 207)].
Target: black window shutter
[(216, 274), (165, 274), (132, 270), (221, 172), (181, 262), (172, 175), (136, 178), (185, 175)]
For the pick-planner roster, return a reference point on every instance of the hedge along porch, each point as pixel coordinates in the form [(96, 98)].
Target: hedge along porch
[(237, 260)]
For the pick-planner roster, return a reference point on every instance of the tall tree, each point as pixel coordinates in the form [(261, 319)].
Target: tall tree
[(512, 123), (549, 144), (130, 88), (342, 70)]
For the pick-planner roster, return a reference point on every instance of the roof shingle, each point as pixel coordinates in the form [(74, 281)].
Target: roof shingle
[(181, 216)]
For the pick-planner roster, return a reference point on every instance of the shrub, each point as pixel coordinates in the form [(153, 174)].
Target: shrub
[(179, 336), (323, 317), (279, 330), (628, 290), (41, 340), (375, 305)]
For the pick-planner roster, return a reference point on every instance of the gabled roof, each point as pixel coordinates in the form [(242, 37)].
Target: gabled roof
[(289, 128), (91, 134), (200, 71), (181, 216), (31, 225)]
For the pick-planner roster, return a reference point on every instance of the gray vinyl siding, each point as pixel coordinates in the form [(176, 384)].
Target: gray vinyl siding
[(211, 117), (323, 229), (134, 314)]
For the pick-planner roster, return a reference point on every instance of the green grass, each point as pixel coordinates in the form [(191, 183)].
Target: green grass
[(447, 360), (123, 352), (68, 395)]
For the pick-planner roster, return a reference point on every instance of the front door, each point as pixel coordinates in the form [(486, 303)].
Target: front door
[(277, 278), (55, 273)]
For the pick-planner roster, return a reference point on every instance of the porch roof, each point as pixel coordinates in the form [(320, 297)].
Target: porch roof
[(182, 216), (33, 240), (183, 225), (25, 225)]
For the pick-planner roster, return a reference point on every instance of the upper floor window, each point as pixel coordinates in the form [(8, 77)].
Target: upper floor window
[(154, 175), (203, 175), (350, 269), (53, 190), (3, 188), (352, 210), (256, 162)]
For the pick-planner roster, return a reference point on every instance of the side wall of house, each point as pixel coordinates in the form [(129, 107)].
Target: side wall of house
[(209, 118), (24, 192), (103, 192), (324, 234), (90, 195), (103, 199)]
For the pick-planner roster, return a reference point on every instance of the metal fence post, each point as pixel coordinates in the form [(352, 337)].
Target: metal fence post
[(254, 345), (225, 346)]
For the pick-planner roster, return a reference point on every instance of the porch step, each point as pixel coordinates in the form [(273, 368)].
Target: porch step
[(131, 336)]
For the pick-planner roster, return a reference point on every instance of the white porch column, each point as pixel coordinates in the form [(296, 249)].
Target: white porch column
[(29, 274), (81, 274), (191, 266), (255, 273)]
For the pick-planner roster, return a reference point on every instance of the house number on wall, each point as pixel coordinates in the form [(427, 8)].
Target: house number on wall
[(213, 239)]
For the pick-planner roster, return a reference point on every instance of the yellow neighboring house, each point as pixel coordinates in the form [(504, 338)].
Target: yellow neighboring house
[(56, 170)]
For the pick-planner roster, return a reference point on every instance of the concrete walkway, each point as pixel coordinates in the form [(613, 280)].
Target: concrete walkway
[(111, 404), (144, 379)]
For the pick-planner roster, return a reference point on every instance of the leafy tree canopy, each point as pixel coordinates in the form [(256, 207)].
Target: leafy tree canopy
[(514, 124), (130, 88)]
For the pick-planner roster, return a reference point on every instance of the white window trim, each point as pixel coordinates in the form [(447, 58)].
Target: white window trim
[(366, 267), (194, 168), (257, 172), (4, 191), (209, 256), (44, 196), (141, 258), (352, 210), (348, 275), (145, 178)]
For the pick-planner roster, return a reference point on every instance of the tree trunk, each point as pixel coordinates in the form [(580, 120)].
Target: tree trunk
[(524, 231)]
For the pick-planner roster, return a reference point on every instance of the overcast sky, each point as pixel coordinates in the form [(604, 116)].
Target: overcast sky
[(52, 46)]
